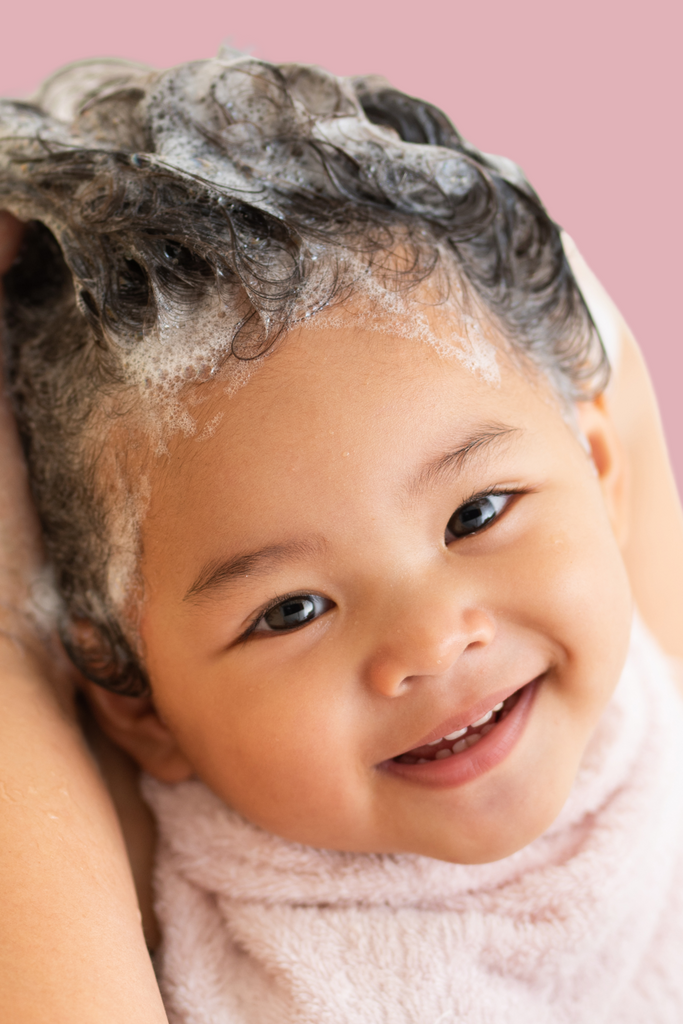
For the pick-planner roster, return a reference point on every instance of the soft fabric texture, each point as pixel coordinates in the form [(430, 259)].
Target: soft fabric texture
[(583, 926)]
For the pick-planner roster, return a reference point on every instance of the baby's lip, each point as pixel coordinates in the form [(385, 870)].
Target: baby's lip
[(465, 718)]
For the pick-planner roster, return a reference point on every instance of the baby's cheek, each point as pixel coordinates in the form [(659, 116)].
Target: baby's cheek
[(273, 749), (577, 553), (589, 611)]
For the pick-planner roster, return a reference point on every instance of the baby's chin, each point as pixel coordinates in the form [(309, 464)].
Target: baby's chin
[(483, 841), (481, 846), (486, 845), (488, 848), (512, 815)]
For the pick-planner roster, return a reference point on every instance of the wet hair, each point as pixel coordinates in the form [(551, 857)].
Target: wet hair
[(254, 189)]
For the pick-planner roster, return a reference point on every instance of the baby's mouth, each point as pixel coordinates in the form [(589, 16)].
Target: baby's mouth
[(462, 739)]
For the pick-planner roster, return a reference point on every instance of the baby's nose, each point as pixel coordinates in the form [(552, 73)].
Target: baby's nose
[(426, 641)]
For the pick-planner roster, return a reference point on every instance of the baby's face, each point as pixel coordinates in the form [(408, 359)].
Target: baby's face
[(374, 551)]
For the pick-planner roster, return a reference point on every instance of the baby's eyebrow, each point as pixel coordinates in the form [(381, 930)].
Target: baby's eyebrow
[(220, 574), (475, 445)]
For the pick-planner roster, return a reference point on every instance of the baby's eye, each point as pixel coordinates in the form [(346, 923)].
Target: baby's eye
[(476, 514), (291, 613)]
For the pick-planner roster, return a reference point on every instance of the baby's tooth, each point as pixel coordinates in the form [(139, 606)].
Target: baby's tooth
[(460, 746), (471, 740), (461, 732), (487, 729), (422, 760), (441, 754)]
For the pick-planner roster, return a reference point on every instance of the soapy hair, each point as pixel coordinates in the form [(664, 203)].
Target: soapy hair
[(244, 196)]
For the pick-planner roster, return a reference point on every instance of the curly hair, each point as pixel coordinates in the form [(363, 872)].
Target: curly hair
[(152, 195)]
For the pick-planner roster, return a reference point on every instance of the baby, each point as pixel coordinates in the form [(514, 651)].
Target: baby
[(314, 414)]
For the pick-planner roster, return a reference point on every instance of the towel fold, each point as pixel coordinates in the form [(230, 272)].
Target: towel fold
[(583, 926)]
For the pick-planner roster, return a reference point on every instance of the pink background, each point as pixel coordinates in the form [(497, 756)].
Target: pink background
[(585, 95)]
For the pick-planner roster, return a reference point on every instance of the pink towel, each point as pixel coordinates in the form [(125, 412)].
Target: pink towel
[(584, 925)]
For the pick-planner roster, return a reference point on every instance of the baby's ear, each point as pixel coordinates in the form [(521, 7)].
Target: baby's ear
[(608, 457), (134, 725)]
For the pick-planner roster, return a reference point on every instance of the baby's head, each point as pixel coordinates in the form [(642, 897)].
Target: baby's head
[(311, 406)]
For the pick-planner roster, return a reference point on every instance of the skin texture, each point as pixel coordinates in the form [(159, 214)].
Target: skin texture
[(325, 450)]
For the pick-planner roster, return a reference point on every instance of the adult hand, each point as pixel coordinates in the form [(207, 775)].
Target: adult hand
[(72, 949)]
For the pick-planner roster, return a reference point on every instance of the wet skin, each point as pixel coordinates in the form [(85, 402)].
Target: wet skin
[(344, 460)]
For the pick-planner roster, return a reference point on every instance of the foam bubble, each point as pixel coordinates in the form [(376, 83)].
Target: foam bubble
[(44, 604), (424, 315)]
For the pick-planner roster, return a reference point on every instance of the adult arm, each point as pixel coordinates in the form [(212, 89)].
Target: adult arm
[(71, 943), (654, 548)]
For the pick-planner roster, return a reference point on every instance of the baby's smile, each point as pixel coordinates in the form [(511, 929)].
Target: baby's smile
[(455, 743), (384, 600)]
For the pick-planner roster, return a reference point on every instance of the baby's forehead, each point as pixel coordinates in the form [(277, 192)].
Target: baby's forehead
[(440, 359), (382, 323), (351, 373), (375, 345), (438, 313)]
